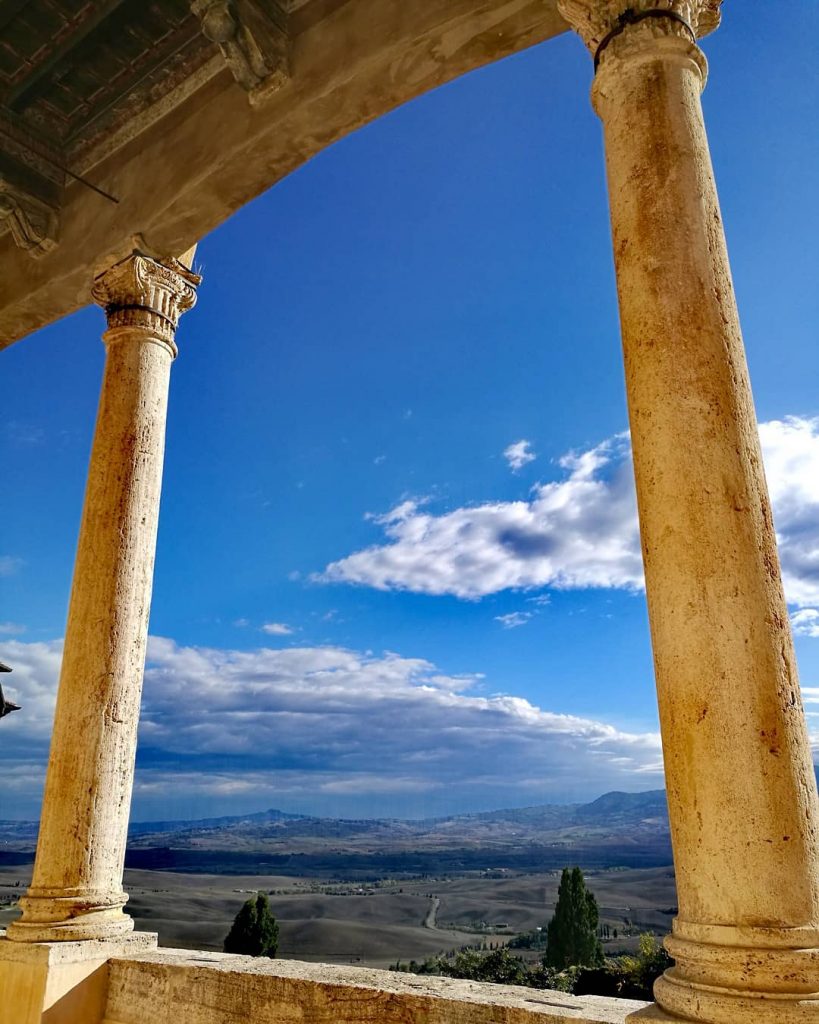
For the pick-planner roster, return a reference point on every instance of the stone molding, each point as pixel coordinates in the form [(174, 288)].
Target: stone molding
[(253, 39), (33, 223), (595, 20), (140, 292)]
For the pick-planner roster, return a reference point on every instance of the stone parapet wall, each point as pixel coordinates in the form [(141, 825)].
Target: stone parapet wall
[(172, 986)]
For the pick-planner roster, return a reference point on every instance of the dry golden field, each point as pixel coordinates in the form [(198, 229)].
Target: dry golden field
[(375, 924)]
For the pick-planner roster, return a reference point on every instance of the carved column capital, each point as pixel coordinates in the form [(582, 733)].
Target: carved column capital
[(609, 25), (139, 292)]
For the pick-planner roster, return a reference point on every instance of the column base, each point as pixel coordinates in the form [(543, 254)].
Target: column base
[(764, 976), (709, 1004), (651, 1013), (62, 982), (70, 917)]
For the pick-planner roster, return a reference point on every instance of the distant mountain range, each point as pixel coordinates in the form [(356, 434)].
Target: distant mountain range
[(615, 818), (613, 811), (616, 829), (140, 827)]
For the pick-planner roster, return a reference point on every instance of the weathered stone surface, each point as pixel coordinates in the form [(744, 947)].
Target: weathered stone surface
[(169, 986), (60, 983), (742, 798), (253, 39), (32, 222), (76, 890)]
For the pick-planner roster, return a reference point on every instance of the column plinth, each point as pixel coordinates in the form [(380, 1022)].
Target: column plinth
[(76, 891), (741, 791)]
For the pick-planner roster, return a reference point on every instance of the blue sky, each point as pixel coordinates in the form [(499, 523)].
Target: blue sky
[(449, 627)]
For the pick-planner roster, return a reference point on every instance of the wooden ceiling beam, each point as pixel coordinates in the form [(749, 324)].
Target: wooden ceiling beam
[(22, 93)]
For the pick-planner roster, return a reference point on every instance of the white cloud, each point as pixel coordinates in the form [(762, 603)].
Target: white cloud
[(513, 619), (791, 451), (328, 716), (321, 724), (379, 460), (806, 622), (278, 629), (579, 531), (11, 628), (519, 454), (32, 683), (25, 735), (574, 533)]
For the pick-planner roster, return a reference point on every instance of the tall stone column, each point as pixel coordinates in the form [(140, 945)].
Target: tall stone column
[(741, 791), (76, 890)]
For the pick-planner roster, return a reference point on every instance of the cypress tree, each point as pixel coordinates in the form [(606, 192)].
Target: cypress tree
[(572, 933), (255, 931)]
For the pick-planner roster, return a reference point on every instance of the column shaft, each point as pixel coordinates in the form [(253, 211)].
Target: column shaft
[(76, 890), (739, 773), (738, 765)]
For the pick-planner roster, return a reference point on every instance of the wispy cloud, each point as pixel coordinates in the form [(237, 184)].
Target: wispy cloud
[(278, 629), (512, 620), (24, 434), (519, 454), (11, 628), (579, 531), (9, 565)]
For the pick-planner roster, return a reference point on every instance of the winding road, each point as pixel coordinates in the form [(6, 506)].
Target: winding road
[(430, 921)]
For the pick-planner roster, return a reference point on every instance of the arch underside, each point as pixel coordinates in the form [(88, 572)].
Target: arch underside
[(182, 163)]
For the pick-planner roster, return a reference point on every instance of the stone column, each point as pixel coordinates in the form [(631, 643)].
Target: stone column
[(76, 890), (741, 791)]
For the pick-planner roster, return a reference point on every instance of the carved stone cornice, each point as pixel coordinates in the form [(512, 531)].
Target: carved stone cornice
[(600, 21), (142, 293), (32, 222), (252, 35)]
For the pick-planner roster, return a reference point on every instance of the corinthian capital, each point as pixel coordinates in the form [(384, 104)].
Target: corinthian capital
[(596, 21), (140, 292)]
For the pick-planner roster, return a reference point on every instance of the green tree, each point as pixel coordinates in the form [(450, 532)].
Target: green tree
[(572, 933), (499, 966), (640, 972), (255, 931)]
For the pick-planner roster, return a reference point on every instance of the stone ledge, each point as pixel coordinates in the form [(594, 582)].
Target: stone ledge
[(54, 953), (60, 982), (168, 986)]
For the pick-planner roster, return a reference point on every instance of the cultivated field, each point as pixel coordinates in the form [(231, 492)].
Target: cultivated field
[(375, 924)]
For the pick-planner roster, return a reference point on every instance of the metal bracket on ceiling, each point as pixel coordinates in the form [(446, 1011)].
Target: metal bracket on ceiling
[(253, 38)]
